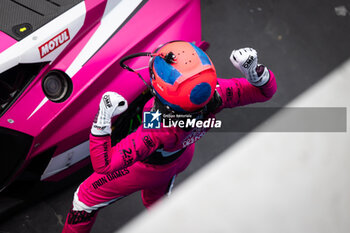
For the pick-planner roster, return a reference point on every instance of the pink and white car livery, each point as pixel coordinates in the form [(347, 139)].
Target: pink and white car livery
[(57, 58)]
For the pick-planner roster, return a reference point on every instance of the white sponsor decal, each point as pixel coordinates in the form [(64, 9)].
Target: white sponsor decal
[(54, 43)]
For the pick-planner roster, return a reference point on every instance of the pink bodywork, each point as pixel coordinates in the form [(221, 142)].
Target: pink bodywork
[(67, 124), (6, 41)]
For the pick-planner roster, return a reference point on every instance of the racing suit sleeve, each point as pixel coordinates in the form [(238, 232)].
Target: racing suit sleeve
[(135, 147), (238, 91)]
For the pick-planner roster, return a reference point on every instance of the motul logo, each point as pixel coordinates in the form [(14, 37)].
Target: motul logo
[(54, 43)]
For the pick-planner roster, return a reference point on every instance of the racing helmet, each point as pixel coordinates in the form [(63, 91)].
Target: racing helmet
[(182, 76)]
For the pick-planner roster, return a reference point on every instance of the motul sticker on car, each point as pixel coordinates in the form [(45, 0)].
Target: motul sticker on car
[(54, 43)]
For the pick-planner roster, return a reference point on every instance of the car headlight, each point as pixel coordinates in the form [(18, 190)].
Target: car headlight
[(57, 86)]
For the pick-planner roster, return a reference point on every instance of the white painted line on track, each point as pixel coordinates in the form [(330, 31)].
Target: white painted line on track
[(268, 182)]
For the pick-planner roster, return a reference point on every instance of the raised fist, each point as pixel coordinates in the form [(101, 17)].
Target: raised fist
[(111, 104), (246, 60)]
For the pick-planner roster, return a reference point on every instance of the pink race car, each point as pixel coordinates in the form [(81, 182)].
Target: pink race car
[(57, 58)]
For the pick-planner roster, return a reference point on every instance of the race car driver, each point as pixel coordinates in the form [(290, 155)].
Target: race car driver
[(183, 80)]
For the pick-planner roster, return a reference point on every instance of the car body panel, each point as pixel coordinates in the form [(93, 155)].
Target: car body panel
[(100, 34)]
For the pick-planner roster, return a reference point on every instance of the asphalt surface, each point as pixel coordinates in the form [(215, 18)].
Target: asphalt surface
[(300, 41)]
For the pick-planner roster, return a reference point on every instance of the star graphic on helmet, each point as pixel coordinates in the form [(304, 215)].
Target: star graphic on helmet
[(156, 115)]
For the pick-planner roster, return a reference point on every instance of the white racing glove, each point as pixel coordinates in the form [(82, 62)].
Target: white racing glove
[(111, 104), (246, 60)]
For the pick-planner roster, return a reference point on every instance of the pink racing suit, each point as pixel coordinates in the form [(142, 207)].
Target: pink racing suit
[(148, 160)]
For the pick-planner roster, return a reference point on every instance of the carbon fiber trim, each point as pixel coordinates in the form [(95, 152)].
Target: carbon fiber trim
[(19, 18)]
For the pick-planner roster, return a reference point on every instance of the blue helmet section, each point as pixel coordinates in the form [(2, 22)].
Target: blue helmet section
[(200, 93), (202, 56), (167, 72)]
